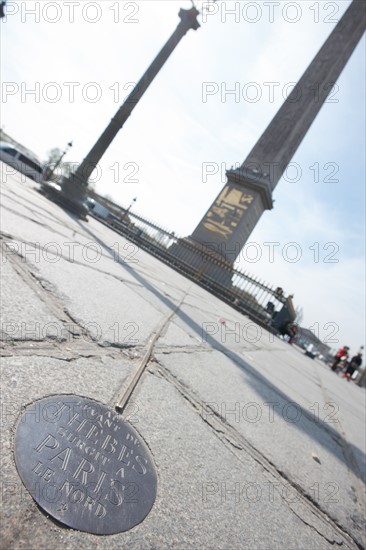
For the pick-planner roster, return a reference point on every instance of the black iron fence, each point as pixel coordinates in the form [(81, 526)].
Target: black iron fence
[(266, 304)]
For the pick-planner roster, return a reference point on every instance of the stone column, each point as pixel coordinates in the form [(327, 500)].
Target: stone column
[(74, 188)]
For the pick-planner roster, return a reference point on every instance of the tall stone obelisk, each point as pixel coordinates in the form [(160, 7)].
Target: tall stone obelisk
[(232, 217)]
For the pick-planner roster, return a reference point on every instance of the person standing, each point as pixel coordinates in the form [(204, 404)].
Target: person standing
[(341, 355), (353, 365)]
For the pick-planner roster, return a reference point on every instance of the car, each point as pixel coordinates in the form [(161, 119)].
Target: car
[(90, 203), (23, 161)]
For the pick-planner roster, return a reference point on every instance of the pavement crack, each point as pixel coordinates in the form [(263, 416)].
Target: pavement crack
[(72, 359), (118, 345), (331, 541), (170, 350)]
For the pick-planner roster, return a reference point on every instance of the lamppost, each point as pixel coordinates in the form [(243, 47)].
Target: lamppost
[(128, 209), (50, 171), (73, 193)]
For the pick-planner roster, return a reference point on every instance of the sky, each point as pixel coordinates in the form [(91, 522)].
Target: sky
[(68, 65)]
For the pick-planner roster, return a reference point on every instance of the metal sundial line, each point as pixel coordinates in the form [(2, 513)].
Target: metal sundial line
[(129, 386)]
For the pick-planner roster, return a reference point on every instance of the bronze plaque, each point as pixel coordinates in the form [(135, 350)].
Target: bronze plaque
[(84, 465)]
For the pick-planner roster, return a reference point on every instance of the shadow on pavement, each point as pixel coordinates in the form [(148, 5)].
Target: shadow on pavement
[(331, 440)]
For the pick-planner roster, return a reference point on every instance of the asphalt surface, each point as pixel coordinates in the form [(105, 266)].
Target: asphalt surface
[(255, 445)]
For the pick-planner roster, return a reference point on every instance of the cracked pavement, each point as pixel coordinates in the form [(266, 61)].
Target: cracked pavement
[(255, 445)]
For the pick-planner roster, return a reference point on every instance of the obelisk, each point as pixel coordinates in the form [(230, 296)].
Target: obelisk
[(232, 217)]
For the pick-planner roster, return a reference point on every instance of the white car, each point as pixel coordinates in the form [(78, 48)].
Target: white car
[(22, 161)]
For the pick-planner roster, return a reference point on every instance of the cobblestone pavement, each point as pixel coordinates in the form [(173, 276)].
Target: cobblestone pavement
[(255, 445)]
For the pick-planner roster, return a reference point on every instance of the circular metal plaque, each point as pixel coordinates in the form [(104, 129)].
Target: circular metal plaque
[(84, 465)]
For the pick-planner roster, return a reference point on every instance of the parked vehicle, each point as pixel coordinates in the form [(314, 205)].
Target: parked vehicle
[(23, 161), (98, 209)]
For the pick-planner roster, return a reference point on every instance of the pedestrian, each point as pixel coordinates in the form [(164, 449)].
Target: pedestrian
[(289, 329), (292, 333), (341, 355), (353, 365)]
